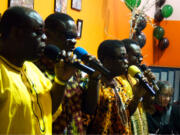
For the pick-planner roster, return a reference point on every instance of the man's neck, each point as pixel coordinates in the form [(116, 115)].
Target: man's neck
[(14, 60)]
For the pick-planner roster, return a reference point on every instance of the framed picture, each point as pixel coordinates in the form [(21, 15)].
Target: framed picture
[(61, 6), (79, 28), (25, 3), (76, 4)]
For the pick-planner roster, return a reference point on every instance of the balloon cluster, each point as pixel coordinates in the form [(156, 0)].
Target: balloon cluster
[(138, 22), (131, 4), (161, 13)]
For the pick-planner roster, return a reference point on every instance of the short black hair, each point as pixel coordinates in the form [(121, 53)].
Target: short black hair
[(128, 42), (53, 20), (107, 48), (14, 17)]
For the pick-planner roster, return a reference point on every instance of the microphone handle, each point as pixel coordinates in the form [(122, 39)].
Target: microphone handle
[(145, 85), (83, 67), (79, 66), (94, 64), (143, 67)]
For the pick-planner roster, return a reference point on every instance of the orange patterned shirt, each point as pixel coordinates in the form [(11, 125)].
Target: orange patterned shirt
[(108, 119), (68, 119)]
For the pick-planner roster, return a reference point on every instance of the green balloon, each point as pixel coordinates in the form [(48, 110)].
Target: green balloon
[(131, 4), (167, 11), (158, 32)]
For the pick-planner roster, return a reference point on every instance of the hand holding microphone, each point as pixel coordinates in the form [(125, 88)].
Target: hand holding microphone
[(150, 76), (66, 64), (135, 72), (91, 61)]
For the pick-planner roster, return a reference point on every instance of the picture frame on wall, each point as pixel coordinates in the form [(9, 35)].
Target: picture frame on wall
[(76, 4), (79, 28), (25, 3), (60, 6)]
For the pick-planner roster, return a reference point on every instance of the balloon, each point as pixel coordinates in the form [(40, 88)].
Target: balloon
[(167, 11), (159, 3), (158, 17), (163, 43), (158, 32), (131, 4), (141, 23), (140, 38)]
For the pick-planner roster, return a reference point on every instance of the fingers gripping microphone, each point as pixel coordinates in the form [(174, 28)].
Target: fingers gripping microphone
[(135, 72), (84, 56), (143, 67), (54, 53)]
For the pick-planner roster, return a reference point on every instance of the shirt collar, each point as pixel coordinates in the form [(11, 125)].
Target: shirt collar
[(14, 67)]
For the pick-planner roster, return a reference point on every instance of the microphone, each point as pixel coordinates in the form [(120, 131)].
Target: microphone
[(84, 56), (143, 67), (135, 72), (54, 53)]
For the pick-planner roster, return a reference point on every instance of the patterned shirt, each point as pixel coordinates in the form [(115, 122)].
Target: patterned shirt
[(68, 119), (110, 118)]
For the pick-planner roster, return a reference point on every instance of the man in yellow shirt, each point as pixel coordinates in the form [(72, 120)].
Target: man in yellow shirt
[(138, 118), (27, 97)]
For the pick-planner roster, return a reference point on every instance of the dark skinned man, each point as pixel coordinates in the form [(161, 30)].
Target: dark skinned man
[(138, 119), (27, 97), (114, 106), (61, 31)]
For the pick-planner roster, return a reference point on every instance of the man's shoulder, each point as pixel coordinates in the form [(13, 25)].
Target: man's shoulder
[(36, 76)]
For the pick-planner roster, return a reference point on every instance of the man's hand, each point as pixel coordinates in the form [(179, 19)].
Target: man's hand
[(149, 75), (64, 68)]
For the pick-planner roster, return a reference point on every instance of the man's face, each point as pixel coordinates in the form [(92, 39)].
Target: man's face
[(134, 55), (65, 36), (33, 37), (118, 63)]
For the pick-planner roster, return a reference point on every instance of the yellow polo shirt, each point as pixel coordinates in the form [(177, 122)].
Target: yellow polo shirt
[(25, 102)]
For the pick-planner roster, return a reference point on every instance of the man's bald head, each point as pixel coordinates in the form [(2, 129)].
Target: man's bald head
[(22, 35), (57, 20), (15, 17)]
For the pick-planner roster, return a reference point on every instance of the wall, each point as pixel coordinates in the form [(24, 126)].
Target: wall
[(109, 19), (43, 7), (102, 20), (170, 57)]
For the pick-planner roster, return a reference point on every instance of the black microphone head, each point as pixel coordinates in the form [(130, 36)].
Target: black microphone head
[(143, 67), (52, 52)]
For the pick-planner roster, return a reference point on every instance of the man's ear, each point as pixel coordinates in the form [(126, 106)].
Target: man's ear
[(106, 61), (49, 34)]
